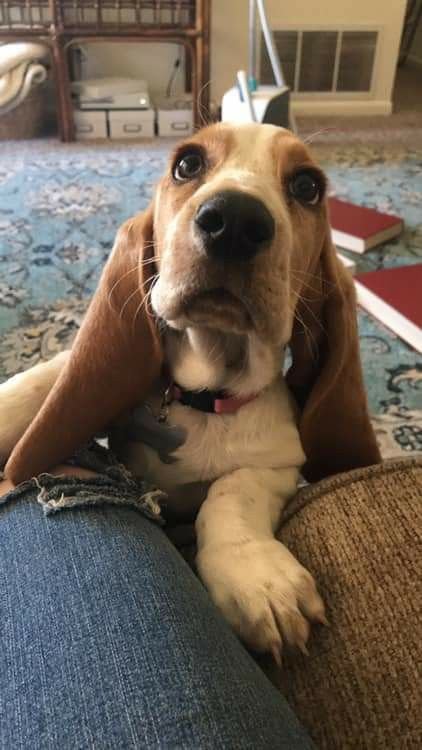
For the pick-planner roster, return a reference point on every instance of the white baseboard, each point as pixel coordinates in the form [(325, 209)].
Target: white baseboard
[(339, 107)]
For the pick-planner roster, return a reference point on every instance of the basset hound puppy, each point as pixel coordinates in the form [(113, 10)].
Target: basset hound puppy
[(222, 307)]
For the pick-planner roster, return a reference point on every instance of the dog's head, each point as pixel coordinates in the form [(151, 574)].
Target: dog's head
[(237, 216), (236, 239)]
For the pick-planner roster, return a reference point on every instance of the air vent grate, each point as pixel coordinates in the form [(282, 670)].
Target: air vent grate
[(336, 61)]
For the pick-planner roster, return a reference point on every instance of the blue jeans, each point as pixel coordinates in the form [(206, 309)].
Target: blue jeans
[(108, 640)]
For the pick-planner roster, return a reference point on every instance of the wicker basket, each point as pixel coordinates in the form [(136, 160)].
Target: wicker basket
[(28, 119)]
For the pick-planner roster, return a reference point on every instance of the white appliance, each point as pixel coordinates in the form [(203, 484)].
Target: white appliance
[(112, 93), (247, 101), (270, 104)]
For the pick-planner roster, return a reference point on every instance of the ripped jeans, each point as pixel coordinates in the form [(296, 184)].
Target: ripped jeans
[(107, 638)]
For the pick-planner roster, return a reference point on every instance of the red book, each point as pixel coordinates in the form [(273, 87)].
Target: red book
[(358, 228), (394, 296)]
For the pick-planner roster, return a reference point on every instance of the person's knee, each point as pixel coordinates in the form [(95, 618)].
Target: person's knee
[(75, 471), (5, 486)]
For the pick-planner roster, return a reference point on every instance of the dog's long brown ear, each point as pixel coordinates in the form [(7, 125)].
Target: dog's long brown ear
[(115, 357), (326, 375)]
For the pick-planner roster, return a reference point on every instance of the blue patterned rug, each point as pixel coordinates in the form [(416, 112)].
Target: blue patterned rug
[(59, 210)]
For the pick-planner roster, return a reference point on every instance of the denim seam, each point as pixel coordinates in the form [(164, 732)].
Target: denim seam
[(114, 485)]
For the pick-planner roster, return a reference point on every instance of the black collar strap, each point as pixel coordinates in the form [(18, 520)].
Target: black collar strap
[(211, 402), (201, 400)]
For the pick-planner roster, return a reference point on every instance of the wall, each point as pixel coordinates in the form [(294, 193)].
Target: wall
[(230, 42), (229, 47)]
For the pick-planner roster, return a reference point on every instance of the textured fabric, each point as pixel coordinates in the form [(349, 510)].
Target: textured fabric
[(60, 206), (359, 534), (20, 70), (108, 641)]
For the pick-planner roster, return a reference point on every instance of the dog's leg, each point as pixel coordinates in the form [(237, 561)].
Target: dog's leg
[(22, 396), (263, 591)]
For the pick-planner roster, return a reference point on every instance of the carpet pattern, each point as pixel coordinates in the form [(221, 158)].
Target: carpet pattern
[(59, 210)]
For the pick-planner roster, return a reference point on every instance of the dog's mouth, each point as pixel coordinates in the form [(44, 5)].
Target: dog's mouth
[(218, 308)]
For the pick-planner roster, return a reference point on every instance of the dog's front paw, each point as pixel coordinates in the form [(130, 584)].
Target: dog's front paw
[(264, 592)]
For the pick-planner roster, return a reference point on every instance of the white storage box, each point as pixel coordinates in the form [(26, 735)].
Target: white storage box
[(90, 124), (175, 117), (135, 123)]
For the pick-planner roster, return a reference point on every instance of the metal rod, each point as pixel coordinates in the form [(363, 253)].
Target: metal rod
[(246, 94), (274, 57), (252, 40), (270, 44)]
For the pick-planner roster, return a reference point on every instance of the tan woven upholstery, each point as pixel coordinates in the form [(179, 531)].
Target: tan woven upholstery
[(358, 533)]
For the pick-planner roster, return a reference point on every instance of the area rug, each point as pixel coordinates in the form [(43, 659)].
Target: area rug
[(60, 206)]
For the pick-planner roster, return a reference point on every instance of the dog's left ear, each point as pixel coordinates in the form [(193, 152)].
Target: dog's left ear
[(114, 359), (326, 373)]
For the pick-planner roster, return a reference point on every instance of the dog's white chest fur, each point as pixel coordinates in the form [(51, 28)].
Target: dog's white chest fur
[(261, 434)]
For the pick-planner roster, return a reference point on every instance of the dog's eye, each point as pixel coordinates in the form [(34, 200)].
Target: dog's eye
[(305, 187), (188, 166)]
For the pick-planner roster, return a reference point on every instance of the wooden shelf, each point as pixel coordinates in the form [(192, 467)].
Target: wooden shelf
[(61, 23)]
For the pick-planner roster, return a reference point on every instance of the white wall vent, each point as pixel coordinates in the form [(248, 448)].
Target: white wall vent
[(324, 61)]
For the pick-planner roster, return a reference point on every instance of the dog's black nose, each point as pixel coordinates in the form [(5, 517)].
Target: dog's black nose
[(234, 225)]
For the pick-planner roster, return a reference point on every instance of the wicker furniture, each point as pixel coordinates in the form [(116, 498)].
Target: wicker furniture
[(61, 23), (28, 119)]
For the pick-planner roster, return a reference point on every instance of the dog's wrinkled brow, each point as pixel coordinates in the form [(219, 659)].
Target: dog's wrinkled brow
[(215, 142), (278, 151)]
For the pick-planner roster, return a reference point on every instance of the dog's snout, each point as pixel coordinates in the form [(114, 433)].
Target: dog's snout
[(234, 225)]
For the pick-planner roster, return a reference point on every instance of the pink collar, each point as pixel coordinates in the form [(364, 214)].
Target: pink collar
[(213, 402)]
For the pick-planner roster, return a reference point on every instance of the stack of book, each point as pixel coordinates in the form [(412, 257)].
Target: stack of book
[(392, 295), (358, 228)]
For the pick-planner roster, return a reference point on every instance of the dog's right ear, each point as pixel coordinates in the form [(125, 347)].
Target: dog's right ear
[(114, 360)]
